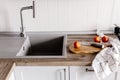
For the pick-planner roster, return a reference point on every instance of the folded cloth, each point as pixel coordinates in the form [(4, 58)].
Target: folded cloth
[(107, 60)]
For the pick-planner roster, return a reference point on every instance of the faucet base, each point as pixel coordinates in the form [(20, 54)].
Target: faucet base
[(22, 35)]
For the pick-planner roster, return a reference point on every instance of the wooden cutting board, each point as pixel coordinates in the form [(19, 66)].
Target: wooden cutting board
[(84, 49)]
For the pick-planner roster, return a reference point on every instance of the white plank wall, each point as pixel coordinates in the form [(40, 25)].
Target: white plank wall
[(60, 15), (116, 12)]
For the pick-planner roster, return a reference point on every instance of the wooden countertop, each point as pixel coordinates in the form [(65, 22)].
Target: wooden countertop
[(7, 64), (6, 69)]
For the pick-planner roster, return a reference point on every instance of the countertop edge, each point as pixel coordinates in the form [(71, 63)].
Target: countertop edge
[(7, 70)]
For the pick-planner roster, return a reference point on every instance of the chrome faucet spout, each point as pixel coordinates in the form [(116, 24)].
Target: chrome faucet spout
[(23, 34)]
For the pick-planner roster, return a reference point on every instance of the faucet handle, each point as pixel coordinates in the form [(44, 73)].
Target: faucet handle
[(33, 9)]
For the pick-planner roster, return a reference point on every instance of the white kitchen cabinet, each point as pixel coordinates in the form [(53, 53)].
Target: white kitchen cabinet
[(41, 73), (118, 74), (85, 73), (57, 73)]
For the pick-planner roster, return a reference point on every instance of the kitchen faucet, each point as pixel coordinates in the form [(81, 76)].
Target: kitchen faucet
[(22, 33)]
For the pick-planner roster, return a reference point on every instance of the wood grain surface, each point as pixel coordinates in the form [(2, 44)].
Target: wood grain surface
[(5, 70), (84, 49)]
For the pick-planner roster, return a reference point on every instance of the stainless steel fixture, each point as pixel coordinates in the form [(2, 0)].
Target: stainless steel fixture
[(22, 34)]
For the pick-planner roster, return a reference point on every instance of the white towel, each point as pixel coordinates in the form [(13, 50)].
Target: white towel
[(107, 60)]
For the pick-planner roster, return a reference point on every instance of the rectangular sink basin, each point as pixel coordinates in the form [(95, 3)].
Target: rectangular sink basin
[(44, 45)]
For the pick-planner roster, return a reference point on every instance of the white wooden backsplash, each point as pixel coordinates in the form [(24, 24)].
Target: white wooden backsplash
[(60, 15)]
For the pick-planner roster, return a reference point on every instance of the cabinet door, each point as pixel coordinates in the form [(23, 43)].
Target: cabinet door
[(41, 73), (85, 73), (118, 74)]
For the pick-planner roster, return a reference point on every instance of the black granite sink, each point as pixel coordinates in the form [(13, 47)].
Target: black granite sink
[(50, 48)]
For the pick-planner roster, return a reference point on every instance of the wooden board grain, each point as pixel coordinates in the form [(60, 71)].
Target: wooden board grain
[(84, 49)]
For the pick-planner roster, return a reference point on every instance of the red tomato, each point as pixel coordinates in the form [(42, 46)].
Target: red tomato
[(105, 39), (76, 44), (97, 39)]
